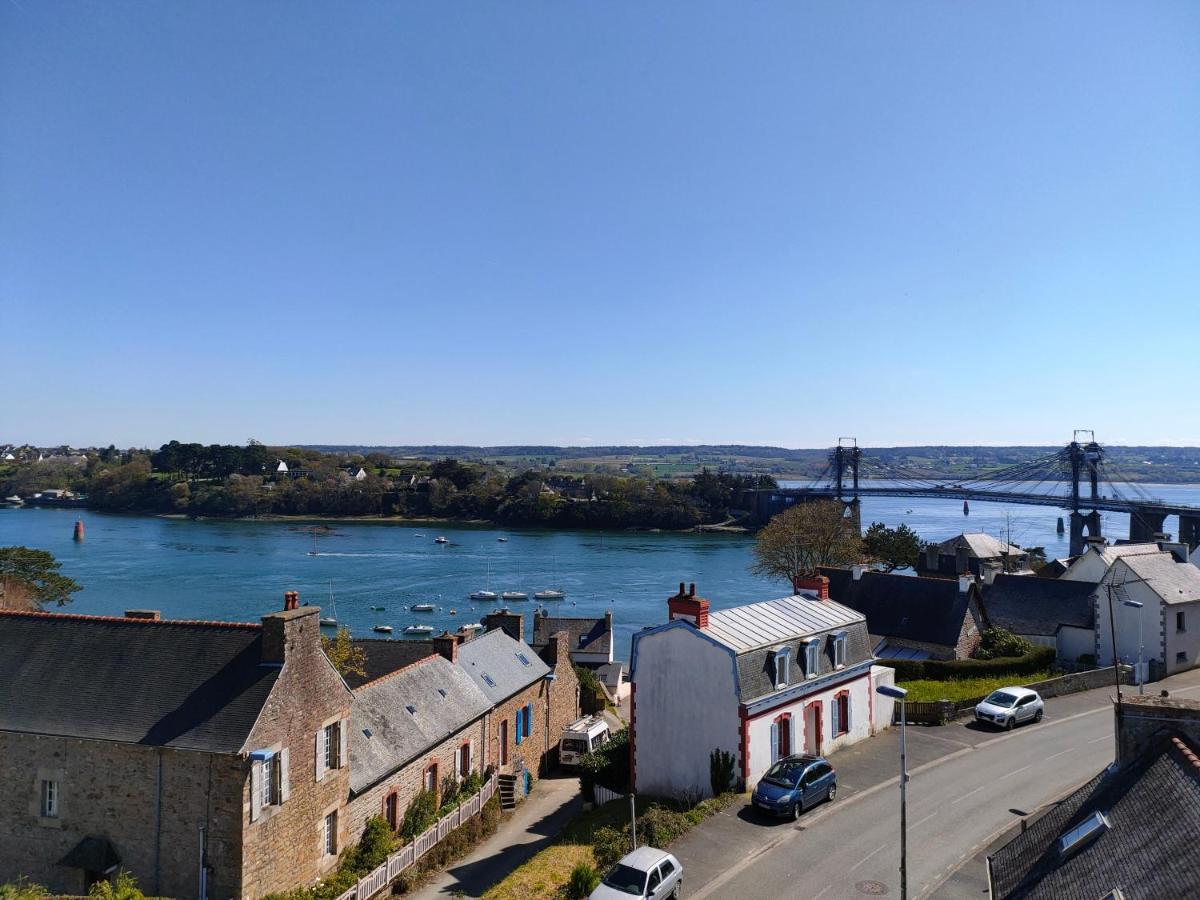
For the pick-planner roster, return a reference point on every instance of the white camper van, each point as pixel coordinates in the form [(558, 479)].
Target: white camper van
[(580, 737)]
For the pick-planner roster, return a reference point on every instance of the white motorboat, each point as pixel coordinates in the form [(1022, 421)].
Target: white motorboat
[(417, 629), (14, 500), (482, 595), (440, 539), (470, 627), (549, 595), (383, 629), (514, 595), (421, 607)]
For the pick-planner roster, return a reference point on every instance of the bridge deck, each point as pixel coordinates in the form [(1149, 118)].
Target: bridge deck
[(1063, 501)]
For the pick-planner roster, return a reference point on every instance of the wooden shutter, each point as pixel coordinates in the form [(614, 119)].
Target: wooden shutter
[(517, 736), (793, 747), (320, 753), (285, 788), (774, 742), (846, 711), (255, 790), (528, 720), (343, 743), (835, 709)]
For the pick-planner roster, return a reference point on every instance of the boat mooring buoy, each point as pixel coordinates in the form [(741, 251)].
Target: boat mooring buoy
[(79, 529)]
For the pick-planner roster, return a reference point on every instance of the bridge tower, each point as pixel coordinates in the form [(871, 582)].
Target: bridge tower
[(1085, 461), (846, 456)]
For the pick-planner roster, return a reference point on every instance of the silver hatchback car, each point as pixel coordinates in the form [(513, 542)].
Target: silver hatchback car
[(1010, 706), (646, 872)]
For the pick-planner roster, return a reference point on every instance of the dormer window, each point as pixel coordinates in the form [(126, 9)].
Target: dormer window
[(783, 658), (810, 658), (839, 650)]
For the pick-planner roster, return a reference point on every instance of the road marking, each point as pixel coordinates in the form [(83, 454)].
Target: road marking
[(967, 794), (923, 821), (1103, 737), (1056, 755), (1014, 772), (865, 858), (824, 891)]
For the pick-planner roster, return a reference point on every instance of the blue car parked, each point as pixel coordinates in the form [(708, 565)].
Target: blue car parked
[(794, 784)]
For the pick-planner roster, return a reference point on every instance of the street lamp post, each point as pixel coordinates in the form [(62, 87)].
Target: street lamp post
[(901, 694), (1136, 604)]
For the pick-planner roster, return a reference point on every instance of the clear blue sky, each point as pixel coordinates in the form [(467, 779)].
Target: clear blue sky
[(580, 222)]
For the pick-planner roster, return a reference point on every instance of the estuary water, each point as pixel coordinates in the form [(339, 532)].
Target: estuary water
[(238, 570)]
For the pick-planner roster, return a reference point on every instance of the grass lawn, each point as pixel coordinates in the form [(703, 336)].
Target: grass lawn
[(966, 688)]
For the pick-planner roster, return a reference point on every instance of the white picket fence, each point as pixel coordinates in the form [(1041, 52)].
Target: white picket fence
[(390, 870)]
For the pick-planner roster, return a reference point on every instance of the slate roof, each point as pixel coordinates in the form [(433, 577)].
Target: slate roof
[(494, 655), (1119, 551), (444, 700), (589, 635), (383, 656), (931, 610), (1173, 581), (187, 685), (1150, 851), (982, 546), (1028, 605)]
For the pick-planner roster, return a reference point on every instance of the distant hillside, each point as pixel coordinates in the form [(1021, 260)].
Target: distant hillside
[(1154, 464)]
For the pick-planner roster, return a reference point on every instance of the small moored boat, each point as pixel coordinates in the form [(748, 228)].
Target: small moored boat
[(549, 595), (418, 629), (383, 629), (421, 607), (440, 539), (514, 595), (482, 595)]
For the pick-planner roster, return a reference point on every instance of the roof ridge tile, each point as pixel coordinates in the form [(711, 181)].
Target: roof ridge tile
[(81, 617)]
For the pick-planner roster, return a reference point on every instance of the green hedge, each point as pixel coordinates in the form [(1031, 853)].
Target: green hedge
[(1036, 660), (607, 766)]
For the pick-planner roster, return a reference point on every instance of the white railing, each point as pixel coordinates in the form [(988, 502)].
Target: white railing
[(397, 862)]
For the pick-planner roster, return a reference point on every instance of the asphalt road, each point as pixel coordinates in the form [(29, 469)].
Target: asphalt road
[(972, 785)]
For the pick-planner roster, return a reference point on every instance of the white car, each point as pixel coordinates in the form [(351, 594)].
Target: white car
[(646, 872), (1010, 706)]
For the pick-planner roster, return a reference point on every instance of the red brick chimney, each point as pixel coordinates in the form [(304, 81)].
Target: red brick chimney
[(688, 606), (446, 644), (817, 585)]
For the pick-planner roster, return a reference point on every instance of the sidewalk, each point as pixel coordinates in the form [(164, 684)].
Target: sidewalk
[(535, 823)]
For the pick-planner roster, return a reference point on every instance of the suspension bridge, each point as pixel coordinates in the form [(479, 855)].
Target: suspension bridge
[(1078, 478)]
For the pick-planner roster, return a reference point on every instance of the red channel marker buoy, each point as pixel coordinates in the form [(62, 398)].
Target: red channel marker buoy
[(79, 529)]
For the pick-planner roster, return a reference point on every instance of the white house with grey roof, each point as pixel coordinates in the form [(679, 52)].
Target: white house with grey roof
[(1166, 628), (761, 681)]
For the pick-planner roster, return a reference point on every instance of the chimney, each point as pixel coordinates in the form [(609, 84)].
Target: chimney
[(557, 649), (965, 582), (446, 644), (931, 557), (293, 630), (148, 615), (962, 559), (513, 624), (856, 572), (689, 607), (1096, 542), (990, 572), (608, 620), (814, 586)]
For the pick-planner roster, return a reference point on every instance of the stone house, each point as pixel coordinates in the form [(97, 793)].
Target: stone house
[(409, 730), (205, 758), (972, 552), (533, 696), (760, 681), (590, 640), (912, 618)]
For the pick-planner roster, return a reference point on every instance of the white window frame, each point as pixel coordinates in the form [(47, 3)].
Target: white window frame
[(811, 658), (333, 745), (49, 798), (329, 842), (270, 785), (839, 650), (783, 659)]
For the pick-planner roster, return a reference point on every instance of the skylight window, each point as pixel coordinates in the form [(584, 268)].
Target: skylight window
[(1084, 833), (411, 709), (488, 680), (524, 659), (442, 691)]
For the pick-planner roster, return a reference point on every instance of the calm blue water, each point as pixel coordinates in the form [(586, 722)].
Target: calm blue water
[(239, 570)]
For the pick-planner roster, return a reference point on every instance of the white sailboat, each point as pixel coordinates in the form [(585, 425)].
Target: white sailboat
[(508, 596), (551, 593), (487, 593), (330, 621)]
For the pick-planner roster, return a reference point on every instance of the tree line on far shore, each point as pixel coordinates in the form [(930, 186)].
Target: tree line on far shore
[(222, 480)]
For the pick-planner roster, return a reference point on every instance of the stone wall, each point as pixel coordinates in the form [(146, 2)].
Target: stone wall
[(112, 790), (408, 781), (564, 692), (1146, 720), (284, 847), (1077, 681)]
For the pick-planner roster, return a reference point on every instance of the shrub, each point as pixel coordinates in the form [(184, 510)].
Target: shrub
[(609, 845), (1000, 642), (373, 848), (471, 785), (720, 771), (607, 766), (125, 888), (584, 880), (22, 889), (421, 813), (1087, 660), (659, 826), (450, 792), (1038, 659)]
